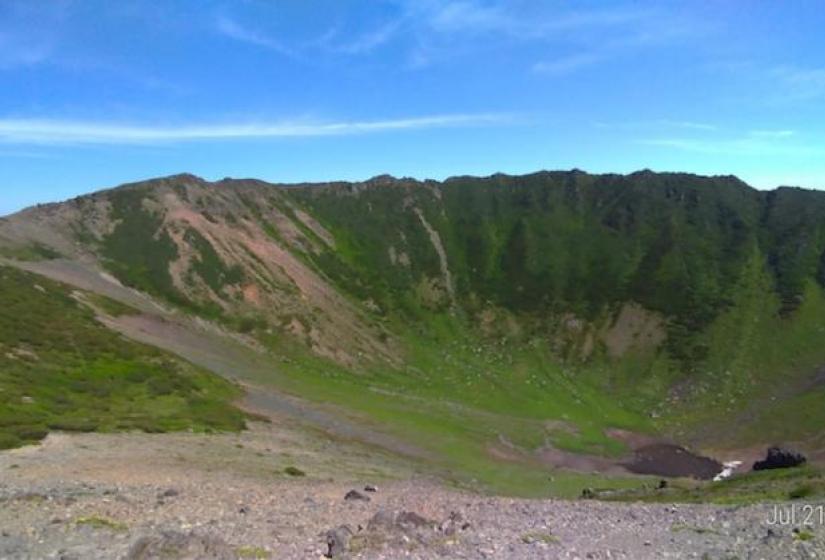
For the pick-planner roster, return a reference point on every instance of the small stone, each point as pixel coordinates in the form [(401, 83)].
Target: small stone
[(355, 495)]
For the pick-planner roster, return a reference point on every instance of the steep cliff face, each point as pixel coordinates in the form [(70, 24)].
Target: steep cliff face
[(692, 300)]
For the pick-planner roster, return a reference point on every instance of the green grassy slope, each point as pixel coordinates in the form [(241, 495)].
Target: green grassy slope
[(62, 370), (457, 400), (737, 275)]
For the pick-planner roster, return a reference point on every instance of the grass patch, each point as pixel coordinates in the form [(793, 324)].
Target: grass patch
[(294, 471), (33, 252), (253, 552), (540, 537), (112, 307), (802, 491), (137, 252), (209, 265), (99, 522), (62, 370), (803, 535)]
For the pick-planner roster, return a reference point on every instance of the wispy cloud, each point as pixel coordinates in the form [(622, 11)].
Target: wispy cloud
[(17, 51), (799, 84), (30, 31), (471, 16), (22, 44), (22, 154), (566, 64), (442, 30), (466, 16), (692, 125), (605, 35), (371, 40), (751, 144), (234, 30), (356, 44), (659, 124), (774, 85), (772, 133), (25, 131)]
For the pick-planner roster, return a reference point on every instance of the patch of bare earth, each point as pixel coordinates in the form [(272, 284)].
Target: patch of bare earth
[(278, 491)]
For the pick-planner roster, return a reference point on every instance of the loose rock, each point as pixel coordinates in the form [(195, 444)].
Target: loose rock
[(355, 495)]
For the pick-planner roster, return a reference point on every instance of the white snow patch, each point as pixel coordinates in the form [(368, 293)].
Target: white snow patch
[(728, 469)]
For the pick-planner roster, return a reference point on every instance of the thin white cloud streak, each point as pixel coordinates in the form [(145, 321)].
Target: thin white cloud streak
[(567, 64), (30, 31), (799, 84), (15, 53), (232, 29), (772, 133), (370, 41), (747, 146), (777, 85), (474, 17), (689, 125), (17, 154), (443, 30), (660, 123), (50, 132)]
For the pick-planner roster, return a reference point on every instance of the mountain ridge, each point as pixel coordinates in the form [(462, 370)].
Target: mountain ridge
[(389, 178), (656, 303)]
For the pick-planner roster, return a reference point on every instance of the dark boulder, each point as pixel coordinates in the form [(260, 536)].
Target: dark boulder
[(355, 495), (338, 540), (779, 458)]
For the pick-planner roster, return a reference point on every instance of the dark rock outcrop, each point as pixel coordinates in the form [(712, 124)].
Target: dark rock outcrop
[(779, 458)]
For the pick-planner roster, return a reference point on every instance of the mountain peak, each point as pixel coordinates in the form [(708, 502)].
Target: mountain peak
[(383, 179)]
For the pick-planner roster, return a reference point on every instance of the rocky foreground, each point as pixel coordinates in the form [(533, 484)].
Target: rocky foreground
[(281, 492)]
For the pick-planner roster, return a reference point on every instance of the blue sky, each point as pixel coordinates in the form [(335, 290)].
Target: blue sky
[(96, 93)]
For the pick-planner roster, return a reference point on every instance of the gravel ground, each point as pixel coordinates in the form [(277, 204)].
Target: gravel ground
[(140, 496)]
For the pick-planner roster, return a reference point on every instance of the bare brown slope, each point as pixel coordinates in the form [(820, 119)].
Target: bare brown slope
[(249, 226)]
